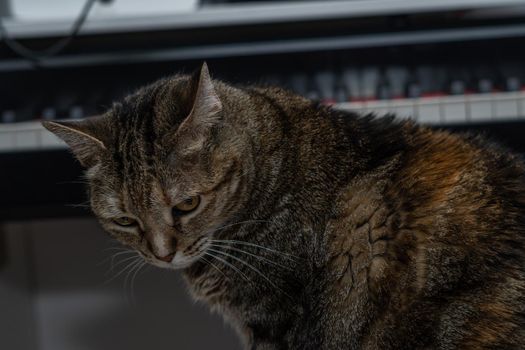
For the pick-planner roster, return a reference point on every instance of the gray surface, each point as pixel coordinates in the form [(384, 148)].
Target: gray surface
[(238, 14), (75, 309), (17, 324), (273, 47)]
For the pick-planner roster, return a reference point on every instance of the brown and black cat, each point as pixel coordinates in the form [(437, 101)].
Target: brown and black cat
[(309, 227)]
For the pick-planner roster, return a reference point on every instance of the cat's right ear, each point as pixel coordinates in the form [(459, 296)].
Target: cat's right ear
[(84, 137), (203, 116)]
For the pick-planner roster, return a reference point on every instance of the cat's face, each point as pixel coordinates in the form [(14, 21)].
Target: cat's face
[(162, 178)]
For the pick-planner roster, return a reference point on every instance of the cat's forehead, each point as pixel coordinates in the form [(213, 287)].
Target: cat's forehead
[(154, 109)]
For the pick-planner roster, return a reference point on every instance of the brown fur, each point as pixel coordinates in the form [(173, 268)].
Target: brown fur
[(336, 231)]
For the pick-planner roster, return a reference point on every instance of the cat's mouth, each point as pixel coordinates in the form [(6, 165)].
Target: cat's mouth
[(185, 258)]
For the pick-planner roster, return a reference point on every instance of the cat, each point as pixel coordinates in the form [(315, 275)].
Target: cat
[(308, 227)]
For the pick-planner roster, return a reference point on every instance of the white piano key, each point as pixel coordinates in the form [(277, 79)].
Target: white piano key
[(380, 107), (521, 105), (7, 141), (506, 106), (351, 81), (369, 80), (357, 107), (403, 108), (27, 139), (397, 77), (49, 140), (454, 109), (481, 107), (429, 111)]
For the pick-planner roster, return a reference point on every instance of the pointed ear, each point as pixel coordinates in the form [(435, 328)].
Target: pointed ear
[(204, 114), (84, 137)]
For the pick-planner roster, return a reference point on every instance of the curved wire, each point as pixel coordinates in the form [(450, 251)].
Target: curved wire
[(36, 56)]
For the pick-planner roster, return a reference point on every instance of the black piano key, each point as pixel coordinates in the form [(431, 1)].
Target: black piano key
[(8, 116), (457, 87), (512, 84), (485, 85), (397, 77)]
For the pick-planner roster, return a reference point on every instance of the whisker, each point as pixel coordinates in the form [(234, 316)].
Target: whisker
[(213, 265), (85, 182), (130, 272), (240, 223), (112, 257), (118, 248), (79, 205), (285, 255), (230, 265), (124, 269), (251, 267), (135, 275), (112, 267), (250, 254)]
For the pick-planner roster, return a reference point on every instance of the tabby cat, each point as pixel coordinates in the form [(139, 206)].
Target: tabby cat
[(308, 227)]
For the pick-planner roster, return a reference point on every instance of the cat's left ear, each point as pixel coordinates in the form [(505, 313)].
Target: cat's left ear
[(84, 137), (204, 114)]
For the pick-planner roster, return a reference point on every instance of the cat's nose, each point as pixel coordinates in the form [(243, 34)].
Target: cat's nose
[(164, 252), (168, 258)]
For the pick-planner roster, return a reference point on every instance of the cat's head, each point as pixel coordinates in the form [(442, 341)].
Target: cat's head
[(164, 168)]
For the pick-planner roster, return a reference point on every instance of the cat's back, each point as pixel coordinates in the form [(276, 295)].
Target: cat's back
[(428, 249)]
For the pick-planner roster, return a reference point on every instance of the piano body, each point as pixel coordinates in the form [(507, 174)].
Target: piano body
[(450, 64)]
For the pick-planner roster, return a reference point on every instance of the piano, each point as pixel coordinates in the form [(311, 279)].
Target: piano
[(448, 64)]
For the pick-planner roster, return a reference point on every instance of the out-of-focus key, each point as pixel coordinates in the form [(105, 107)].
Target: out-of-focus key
[(404, 108), (506, 105), (454, 109), (27, 139), (457, 87), (313, 92), (481, 107), (49, 140), (485, 86), (49, 113), (8, 116), (377, 107), (512, 84), (76, 112), (341, 94), (7, 140), (429, 110), (369, 82), (299, 83), (325, 82), (352, 84), (521, 106), (397, 79)]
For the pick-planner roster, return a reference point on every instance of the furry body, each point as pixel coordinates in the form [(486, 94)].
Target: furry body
[(376, 233)]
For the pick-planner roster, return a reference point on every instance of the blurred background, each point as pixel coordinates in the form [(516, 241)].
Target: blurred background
[(455, 64)]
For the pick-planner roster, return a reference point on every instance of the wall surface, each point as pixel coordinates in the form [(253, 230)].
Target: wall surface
[(17, 322), (78, 302)]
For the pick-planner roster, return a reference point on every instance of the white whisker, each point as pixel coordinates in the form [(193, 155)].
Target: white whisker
[(250, 254), (251, 267), (230, 265), (240, 223), (112, 267), (131, 272), (285, 255), (213, 265), (124, 269)]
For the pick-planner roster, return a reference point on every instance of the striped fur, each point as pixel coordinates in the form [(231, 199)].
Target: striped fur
[(345, 231)]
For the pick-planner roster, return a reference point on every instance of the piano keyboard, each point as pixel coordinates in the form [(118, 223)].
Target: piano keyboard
[(430, 110)]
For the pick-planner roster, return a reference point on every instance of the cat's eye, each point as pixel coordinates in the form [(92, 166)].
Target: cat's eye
[(125, 221), (186, 206)]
